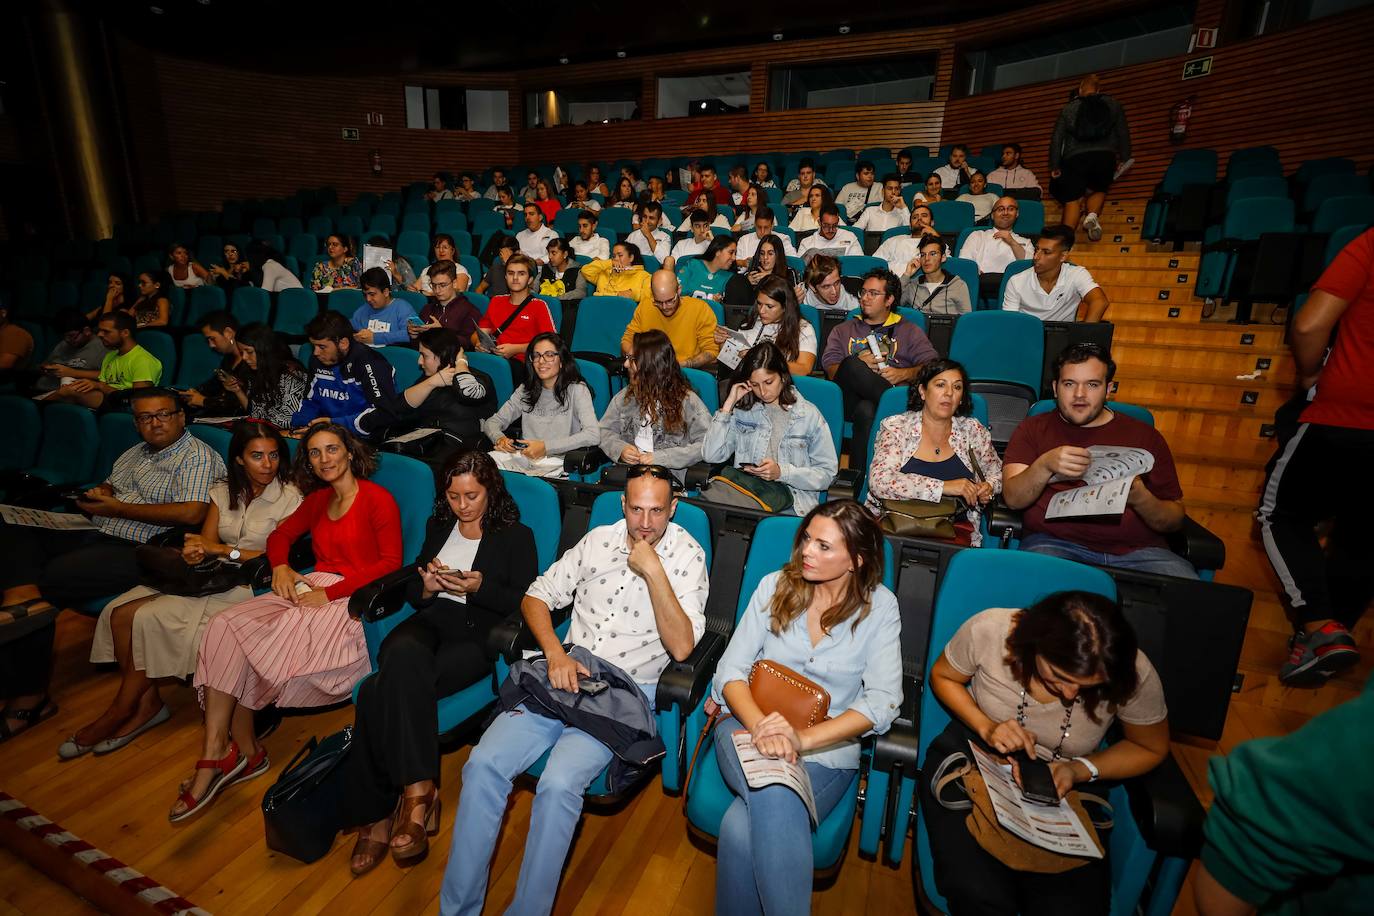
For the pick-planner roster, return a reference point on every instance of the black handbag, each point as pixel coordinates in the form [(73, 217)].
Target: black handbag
[(163, 568), (300, 813)]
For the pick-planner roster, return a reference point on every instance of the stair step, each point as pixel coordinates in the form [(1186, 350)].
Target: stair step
[(1201, 388), (1126, 310), (1134, 358), (1244, 483), (1168, 294), (1153, 276), (1110, 256), (1212, 334)]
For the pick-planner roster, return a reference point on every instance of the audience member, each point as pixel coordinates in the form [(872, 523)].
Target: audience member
[(890, 213), (687, 322), (467, 188), (860, 192), (824, 289), (799, 188), (581, 198), (184, 270), (978, 195), (126, 366), (117, 291), (545, 200), (905, 173), (498, 181), (588, 244), (697, 243), (937, 449), (702, 202), (233, 273), (763, 176), (594, 182), (900, 250), (448, 308), (612, 570), (828, 239), (624, 195), (508, 208), (153, 635), (827, 615), (530, 192), (1327, 590), (622, 275), (774, 435), (808, 217), (555, 410), (1015, 178), (657, 418), (152, 308), (440, 189), (1053, 289), (928, 287), (931, 192), (776, 317), (647, 237), (955, 173), (711, 184), (77, 349), (1049, 454), (1049, 680), (477, 561), (870, 353), (297, 646), (560, 277), (629, 172), (514, 319), (994, 249), (160, 483), (382, 320), (535, 237), (347, 378), (211, 397), (340, 270), (445, 249), (267, 269), (274, 381), (738, 180), (754, 198), (763, 227), (1090, 142), (495, 253), (769, 260), (16, 344), (705, 277)]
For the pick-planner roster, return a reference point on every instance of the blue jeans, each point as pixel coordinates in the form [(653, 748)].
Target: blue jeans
[(513, 742), (1155, 560), (763, 856)]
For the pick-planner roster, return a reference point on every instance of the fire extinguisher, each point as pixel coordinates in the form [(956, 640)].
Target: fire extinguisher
[(376, 159), (1178, 119)]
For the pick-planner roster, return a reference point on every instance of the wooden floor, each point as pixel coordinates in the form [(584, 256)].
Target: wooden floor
[(640, 858)]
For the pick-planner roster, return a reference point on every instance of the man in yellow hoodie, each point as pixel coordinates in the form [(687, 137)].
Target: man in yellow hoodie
[(689, 323)]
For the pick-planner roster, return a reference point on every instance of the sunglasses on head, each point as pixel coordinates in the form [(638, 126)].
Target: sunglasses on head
[(652, 470)]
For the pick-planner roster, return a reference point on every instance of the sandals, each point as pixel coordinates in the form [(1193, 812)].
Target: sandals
[(371, 851), (230, 767), (43, 709), (418, 835)]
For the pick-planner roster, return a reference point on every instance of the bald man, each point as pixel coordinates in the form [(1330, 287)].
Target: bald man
[(689, 323), (994, 249)]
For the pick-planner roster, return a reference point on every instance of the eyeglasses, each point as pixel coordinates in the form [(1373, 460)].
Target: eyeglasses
[(666, 302), (871, 293), (161, 416), (546, 356)]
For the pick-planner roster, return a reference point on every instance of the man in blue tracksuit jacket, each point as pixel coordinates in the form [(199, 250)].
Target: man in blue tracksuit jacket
[(347, 379)]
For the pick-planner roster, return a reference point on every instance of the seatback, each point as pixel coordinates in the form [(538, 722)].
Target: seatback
[(538, 502), (24, 430), (1000, 346), (159, 343), (1260, 186), (1014, 268), (203, 301), (251, 304), (118, 434), (1351, 210), (967, 271), (1340, 238), (1190, 166), (67, 450), (406, 364), (499, 370), (1134, 411), (218, 438), (1253, 161), (952, 216), (411, 483), (1249, 218), (1030, 218), (295, 309), (197, 362), (346, 301), (601, 322), (704, 384), (856, 265), (606, 510), (599, 381), (828, 399)]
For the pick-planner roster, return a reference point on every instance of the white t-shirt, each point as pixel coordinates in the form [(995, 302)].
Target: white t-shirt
[(898, 252), (662, 243), (644, 435), (853, 197), (982, 203), (749, 243), (806, 335), (876, 219), (803, 221), (458, 269), (457, 553), (992, 255), (1024, 294), (535, 245), (276, 278), (596, 247), (688, 247), (843, 240)]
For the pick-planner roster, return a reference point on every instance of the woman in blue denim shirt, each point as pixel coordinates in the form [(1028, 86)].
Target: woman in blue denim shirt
[(773, 432), (827, 616)]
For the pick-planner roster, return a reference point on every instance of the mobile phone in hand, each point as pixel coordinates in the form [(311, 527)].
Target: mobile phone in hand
[(1037, 782), (520, 443), (74, 495), (748, 464)]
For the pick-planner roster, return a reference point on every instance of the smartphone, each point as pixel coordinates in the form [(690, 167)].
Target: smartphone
[(520, 443), (591, 686), (1037, 782), (74, 494), (748, 464), (221, 375), (416, 320)]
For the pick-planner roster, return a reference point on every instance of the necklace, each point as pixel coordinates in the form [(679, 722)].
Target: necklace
[(1064, 729)]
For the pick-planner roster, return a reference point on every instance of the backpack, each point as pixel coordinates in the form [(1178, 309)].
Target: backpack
[(1093, 120)]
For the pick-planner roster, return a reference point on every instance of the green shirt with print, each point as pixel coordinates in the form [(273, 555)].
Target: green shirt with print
[(121, 370)]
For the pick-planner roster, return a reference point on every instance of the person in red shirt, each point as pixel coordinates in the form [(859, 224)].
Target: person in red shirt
[(1049, 453), (297, 645), (517, 318), (710, 182), (1319, 473)]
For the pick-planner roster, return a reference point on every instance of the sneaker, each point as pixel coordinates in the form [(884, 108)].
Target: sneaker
[(1093, 227), (1318, 655)]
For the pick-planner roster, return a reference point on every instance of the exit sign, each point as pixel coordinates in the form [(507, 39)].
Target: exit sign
[(1201, 66), (349, 133)]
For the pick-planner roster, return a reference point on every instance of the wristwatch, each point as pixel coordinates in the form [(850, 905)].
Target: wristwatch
[(235, 554), (1092, 769)]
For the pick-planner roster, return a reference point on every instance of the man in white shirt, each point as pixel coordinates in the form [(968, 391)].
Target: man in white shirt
[(588, 244), (955, 173), (828, 239), (739, 183), (1053, 290), (994, 249), (498, 181), (764, 221), (980, 197), (891, 212), (638, 592), (798, 188), (535, 237), (860, 192), (648, 238), (701, 237), (900, 249), (1013, 176)]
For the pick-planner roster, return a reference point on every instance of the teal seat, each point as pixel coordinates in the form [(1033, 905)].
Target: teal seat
[(498, 368), (1134, 411), (1340, 238), (828, 399), (118, 434), (599, 381), (405, 363), (159, 343), (203, 301), (1246, 220), (414, 240), (217, 437), (67, 451), (1030, 218), (23, 431), (474, 269), (295, 309), (856, 265), (704, 384), (250, 304), (952, 216), (1003, 354), (303, 246), (893, 402), (346, 301), (601, 322), (1014, 268), (382, 224), (198, 362), (1350, 210), (481, 301)]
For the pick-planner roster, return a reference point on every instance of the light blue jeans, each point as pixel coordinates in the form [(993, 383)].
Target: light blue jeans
[(763, 856), (514, 741), (1155, 560)]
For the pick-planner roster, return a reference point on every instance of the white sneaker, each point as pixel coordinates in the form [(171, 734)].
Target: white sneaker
[(1092, 227)]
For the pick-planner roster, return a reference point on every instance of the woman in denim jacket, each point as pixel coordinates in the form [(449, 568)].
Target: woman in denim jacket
[(773, 432)]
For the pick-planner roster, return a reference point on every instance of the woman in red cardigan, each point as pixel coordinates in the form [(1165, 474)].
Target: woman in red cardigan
[(296, 646)]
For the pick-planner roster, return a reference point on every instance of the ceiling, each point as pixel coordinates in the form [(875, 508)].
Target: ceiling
[(409, 35)]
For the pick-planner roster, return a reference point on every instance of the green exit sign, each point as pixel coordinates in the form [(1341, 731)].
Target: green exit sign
[(1192, 69), (349, 133)]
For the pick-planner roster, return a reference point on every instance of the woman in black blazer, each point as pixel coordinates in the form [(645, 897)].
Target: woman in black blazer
[(472, 572)]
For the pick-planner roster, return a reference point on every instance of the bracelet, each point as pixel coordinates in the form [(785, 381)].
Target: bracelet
[(1092, 769)]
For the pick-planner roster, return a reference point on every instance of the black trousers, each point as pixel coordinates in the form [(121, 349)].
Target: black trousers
[(439, 650), (1337, 582), (974, 883), (861, 388), (69, 567)]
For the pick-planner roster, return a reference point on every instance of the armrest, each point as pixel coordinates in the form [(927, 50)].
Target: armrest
[(845, 485), (684, 683), (1004, 523), (259, 570), (584, 460), (381, 597), (1166, 811), (696, 476), (615, 365), (511, 637), (1197, 545)]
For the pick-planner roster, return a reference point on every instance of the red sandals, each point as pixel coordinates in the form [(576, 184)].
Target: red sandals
[(232, 768)]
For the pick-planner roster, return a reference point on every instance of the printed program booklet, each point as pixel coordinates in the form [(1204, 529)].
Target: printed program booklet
[(760, 771)]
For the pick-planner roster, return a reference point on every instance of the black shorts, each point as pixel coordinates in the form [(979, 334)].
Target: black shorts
[(1083, 174)]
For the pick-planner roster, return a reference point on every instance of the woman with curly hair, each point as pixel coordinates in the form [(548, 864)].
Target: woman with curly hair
[(276, 380), (657, 418), (476, 562), (296, 646)]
